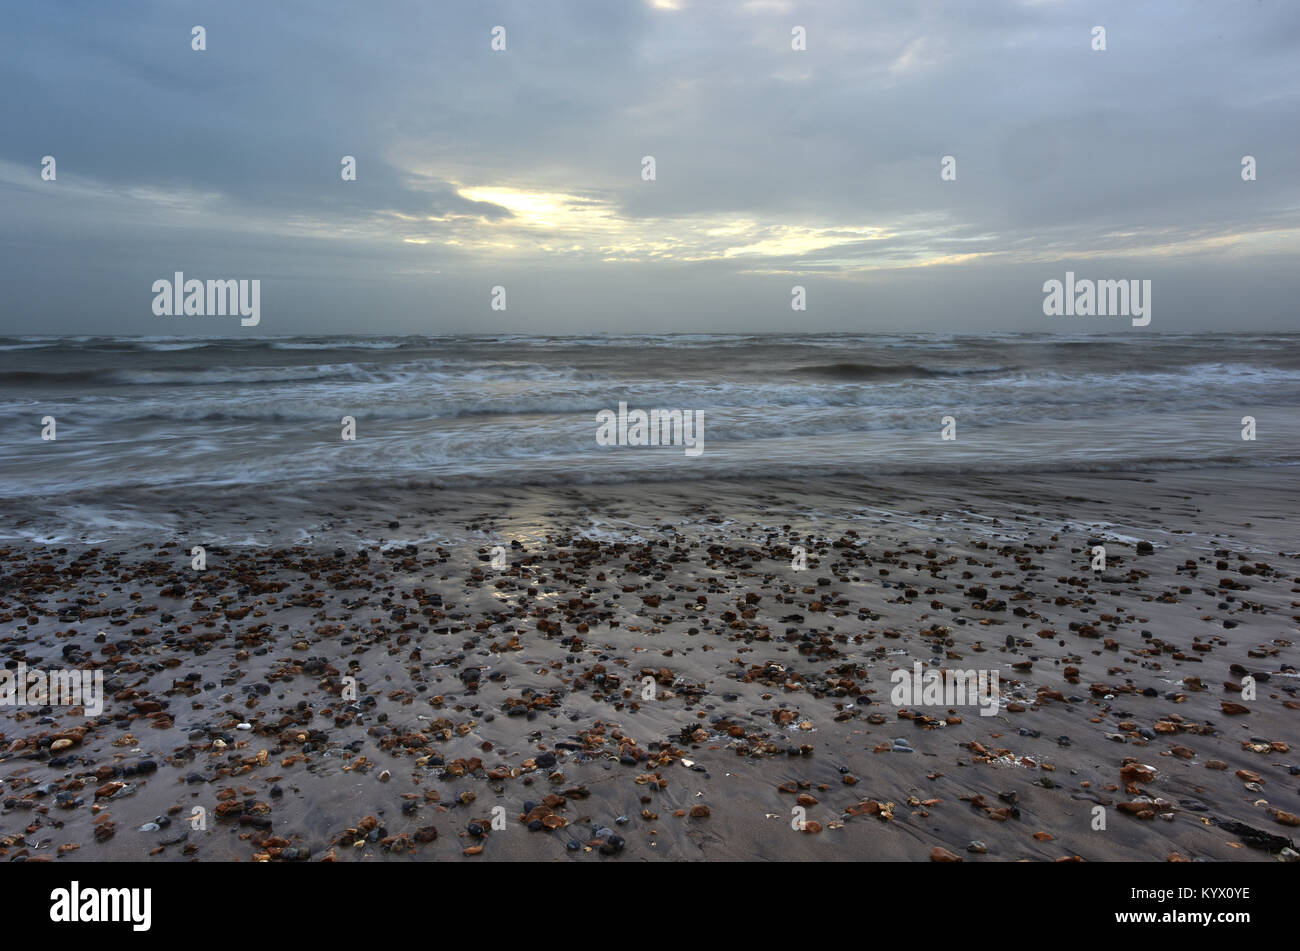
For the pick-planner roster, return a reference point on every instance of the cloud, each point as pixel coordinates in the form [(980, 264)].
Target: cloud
[(770, 161)]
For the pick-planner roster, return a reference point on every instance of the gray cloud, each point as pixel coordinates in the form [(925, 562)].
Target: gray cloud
[(774, 167)]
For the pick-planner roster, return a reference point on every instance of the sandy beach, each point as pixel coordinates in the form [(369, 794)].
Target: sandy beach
[(644, 674)]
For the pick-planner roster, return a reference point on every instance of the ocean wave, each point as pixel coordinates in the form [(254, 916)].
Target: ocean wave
[(864, 372), (197, 376), (664, 466)]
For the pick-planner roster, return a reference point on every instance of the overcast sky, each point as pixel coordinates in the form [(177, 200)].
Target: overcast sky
[(523, 168)]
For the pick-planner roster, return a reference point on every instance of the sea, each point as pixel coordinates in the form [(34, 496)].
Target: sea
[(171, 415)]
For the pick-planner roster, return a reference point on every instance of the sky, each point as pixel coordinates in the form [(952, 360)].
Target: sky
[(774, 167)]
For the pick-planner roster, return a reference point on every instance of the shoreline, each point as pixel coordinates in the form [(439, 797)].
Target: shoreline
[(362, 513), (640, 627)]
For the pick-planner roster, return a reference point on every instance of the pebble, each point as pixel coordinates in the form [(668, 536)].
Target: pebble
[(477, 654)]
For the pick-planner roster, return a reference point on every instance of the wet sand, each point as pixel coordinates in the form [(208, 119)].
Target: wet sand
[(648, 677)]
